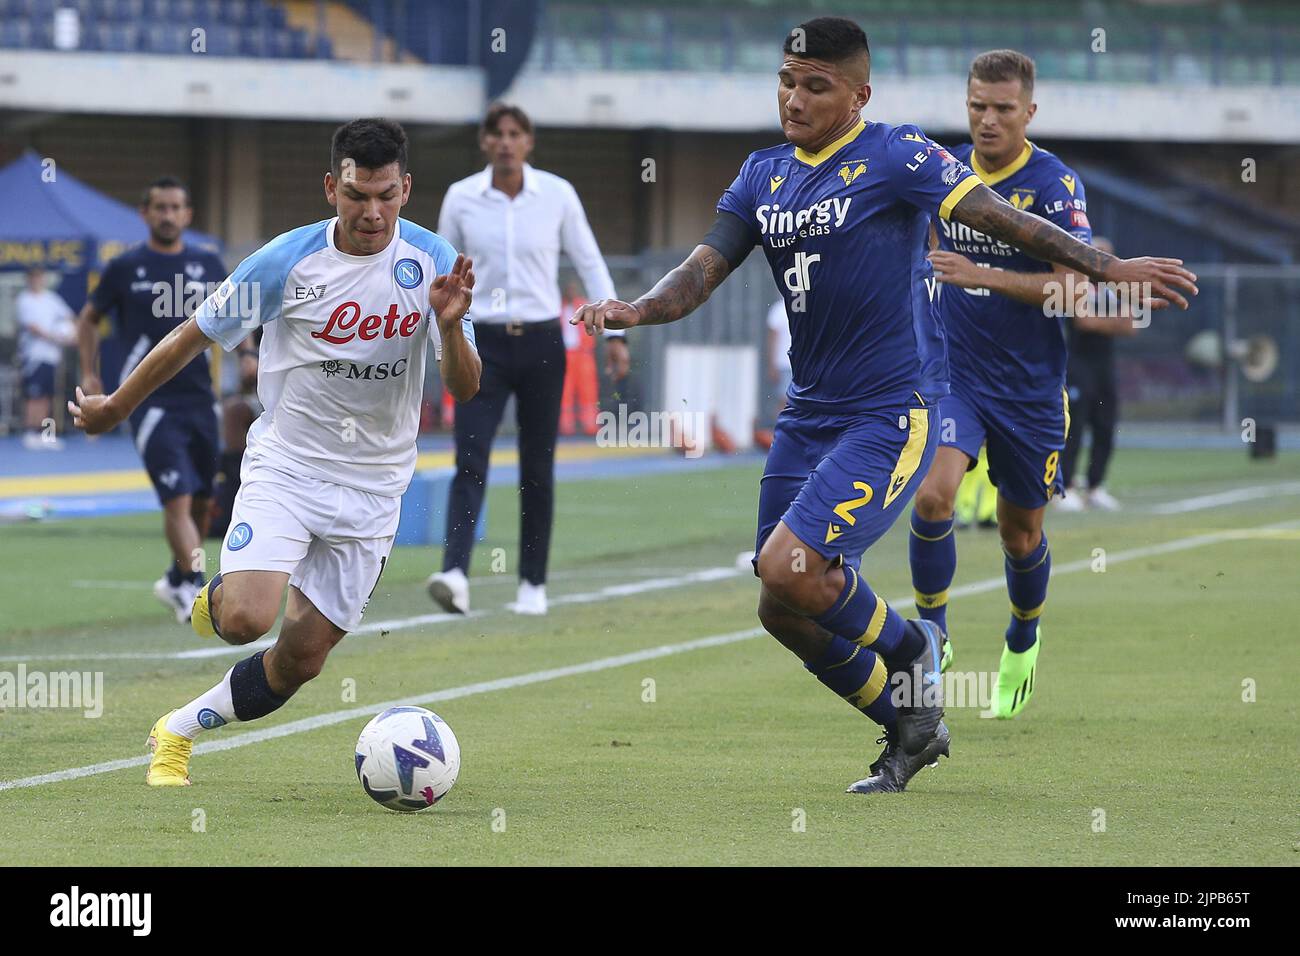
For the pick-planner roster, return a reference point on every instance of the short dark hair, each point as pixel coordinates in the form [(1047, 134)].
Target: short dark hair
[(499, 111), (833, 39), (998, 66), (164, 182), (370, 143)]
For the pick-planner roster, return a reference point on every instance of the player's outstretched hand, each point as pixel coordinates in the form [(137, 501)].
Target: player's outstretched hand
[(450, 295), (952, 268), (1160, 279), (94, 414), (605, 314)]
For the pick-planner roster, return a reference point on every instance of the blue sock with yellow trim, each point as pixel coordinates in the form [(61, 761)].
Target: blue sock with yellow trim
[(932, 552), (1027, 588), (859, 676), (862, 617)]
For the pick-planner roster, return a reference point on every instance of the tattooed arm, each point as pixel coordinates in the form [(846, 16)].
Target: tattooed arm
[(675, 296), (985, 210)]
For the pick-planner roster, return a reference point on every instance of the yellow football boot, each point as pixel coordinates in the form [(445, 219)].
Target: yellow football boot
[(170, 764), (201, 611)]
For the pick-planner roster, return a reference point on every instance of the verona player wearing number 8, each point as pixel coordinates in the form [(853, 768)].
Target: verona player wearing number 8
[(347, 306)]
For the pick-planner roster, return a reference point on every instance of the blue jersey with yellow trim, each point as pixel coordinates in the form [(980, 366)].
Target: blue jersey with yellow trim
[(845, 232), (996, 345)]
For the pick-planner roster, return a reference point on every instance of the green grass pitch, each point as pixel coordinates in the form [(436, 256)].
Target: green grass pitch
[(1137, 749)]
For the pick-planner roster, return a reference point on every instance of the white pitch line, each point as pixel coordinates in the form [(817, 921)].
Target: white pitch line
[(1236, 495), (605, 663), (369, 710), (397, 624), (481, 581)]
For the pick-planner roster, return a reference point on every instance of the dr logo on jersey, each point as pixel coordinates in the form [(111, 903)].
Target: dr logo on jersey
[(798, 278)]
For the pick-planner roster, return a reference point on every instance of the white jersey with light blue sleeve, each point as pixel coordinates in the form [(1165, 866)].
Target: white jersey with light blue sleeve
[(253, 295), (444, 257), (341, 364)]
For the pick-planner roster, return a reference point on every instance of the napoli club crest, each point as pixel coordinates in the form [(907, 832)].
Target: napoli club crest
[(240, 535), (408, 273)]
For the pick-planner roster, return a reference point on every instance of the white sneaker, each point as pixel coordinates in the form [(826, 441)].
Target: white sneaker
[(1099, 497), (531, 599), (449, 590), (179, 599)]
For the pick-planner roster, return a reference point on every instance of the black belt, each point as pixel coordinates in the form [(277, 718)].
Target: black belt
[(516, 327)]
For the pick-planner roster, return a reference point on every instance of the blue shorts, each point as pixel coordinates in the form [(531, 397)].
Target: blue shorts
[(1025, 440), (38, 380), (179, 446), (839, 481)]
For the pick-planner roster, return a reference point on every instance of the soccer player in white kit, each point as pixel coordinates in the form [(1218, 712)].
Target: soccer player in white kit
[(347, 307)]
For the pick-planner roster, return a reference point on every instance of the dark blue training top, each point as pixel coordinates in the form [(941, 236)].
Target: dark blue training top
[(147, 294)]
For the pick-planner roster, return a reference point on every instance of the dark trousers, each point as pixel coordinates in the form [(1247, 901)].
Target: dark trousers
[(1094, 403), (530, 365)]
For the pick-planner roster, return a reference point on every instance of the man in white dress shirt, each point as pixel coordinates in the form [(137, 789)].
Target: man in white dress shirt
[(514, 221)]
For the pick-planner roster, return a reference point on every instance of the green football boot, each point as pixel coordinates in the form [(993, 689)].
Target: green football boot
[(1015, 683), (945, 650)]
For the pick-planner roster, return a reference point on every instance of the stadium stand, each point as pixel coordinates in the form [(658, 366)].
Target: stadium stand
[(248, 28), (1221, 43)]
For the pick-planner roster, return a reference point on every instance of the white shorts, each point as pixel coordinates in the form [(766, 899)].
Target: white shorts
[(332, 540)]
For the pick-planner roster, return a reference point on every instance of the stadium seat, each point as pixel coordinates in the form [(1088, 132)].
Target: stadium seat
[(223, 41), (15, 34), (117, 38), (252, 42), (626, 54), (237, 12)]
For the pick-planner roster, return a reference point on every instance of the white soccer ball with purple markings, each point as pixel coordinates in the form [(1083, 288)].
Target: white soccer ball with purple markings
[(407, 758)]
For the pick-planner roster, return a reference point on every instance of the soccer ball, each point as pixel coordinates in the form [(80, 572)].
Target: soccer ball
[(407, 758)]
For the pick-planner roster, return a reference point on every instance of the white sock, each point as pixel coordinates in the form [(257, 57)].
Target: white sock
[(208, 711)]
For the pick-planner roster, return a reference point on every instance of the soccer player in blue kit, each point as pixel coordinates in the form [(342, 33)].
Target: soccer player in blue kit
[(1006, 360), (149, 290), (842, 212)]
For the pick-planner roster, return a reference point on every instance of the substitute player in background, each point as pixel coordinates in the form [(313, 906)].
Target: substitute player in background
[(842, 213), (1006, 358), (147, 290), (348, 307)]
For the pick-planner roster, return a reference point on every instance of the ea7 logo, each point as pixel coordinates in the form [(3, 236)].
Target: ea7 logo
[(103, 909), (309, 292)]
